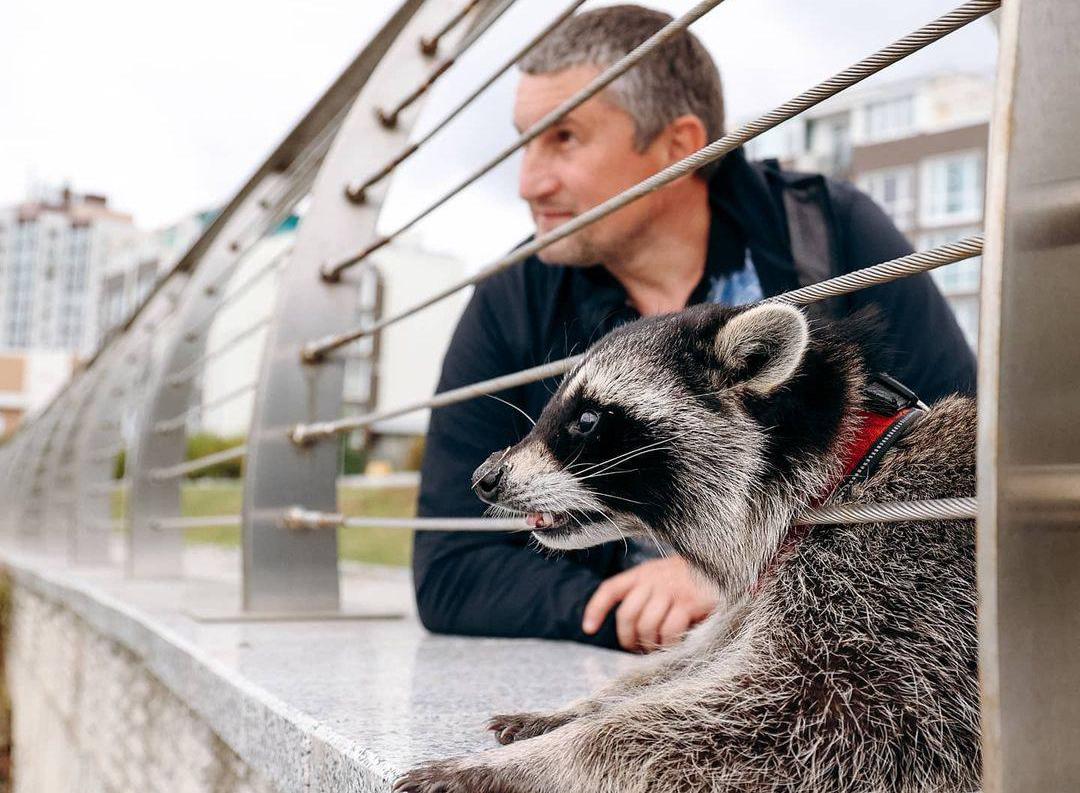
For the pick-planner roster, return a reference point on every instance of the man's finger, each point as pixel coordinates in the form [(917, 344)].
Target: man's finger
[(676, 624), (606, 595), (652, 617), (626, 616)]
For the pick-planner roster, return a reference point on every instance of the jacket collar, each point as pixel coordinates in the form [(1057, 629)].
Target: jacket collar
[(746, 215)]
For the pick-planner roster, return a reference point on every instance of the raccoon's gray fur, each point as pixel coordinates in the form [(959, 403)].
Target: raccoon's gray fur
[(846, 660)]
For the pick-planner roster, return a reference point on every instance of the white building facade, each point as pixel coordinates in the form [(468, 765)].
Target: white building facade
[(52, 256)]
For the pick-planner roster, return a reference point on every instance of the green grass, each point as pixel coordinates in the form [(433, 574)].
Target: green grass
[(377, 546)]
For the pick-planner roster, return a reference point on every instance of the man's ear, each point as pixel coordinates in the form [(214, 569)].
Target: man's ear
[(685, 135), (762, 347)]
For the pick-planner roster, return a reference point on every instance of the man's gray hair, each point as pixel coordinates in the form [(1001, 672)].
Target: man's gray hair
[(679, 78)]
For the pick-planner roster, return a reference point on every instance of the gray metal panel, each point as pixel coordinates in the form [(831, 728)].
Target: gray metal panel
[(287, 570), (1029, 409)]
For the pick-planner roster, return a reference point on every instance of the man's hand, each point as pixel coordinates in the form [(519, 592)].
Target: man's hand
[(659, 600)]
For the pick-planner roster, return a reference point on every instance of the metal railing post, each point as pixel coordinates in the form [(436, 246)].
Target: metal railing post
[(111, 402), (1029, 409), (153, 553), (287, 570)]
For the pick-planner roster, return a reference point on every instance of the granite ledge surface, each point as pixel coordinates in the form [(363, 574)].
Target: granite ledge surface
[(340, 705)]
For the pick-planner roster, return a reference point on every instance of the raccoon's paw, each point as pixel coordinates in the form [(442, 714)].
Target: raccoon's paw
[(452, 776), (510, 727)]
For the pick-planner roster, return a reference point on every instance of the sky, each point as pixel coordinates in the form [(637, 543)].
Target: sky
[(167, 109)]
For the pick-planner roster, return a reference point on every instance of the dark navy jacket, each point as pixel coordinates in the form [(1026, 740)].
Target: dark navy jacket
[(494, 584)]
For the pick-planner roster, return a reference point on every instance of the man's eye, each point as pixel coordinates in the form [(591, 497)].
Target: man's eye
[(564, 135), (586, 423)]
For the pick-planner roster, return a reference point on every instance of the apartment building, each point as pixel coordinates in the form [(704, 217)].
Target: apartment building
[(136, 262), (918, 147), (52, 255)]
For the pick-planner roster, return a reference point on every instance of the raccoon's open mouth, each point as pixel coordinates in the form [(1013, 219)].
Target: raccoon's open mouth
[(542, 521), (561, 521)]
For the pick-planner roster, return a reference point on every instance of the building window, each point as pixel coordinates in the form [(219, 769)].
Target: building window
[(894, 192), (952, 189), (889, 118), (959, 282)]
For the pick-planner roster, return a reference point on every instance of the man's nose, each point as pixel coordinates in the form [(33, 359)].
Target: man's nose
[(536, 180), (487, 486)]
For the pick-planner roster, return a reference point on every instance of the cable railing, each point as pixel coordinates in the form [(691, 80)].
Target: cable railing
[(196, 366), (357, 192), (874, 63), (342, 158), (180, 421), (599, 83), (389, 117), (875, 275), (198, 464)]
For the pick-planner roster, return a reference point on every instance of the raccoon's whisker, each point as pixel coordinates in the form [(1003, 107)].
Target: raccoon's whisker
[(614, 525), (618, 457), (609, 473), (663, 553), (515, 407), (602, 494), (626, 458), (632, 452)]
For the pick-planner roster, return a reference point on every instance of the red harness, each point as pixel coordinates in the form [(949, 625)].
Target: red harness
[(876, 433)]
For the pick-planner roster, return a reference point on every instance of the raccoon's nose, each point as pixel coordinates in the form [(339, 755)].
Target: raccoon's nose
[(487, 486)]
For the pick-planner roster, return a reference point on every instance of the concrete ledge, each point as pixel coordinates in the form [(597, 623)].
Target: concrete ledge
[(318, 706)]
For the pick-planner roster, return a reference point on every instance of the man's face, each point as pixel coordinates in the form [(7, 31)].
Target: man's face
[(580, 162)]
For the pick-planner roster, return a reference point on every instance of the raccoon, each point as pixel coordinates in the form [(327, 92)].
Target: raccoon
[(846, 658)]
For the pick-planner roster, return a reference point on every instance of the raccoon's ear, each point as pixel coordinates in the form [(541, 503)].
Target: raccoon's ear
[(762, 346)]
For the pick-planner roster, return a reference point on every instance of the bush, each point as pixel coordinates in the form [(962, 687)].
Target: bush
[(198, 445), (353, 460), (204, 443)]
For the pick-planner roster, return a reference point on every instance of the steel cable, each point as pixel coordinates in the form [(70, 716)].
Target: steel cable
[(874, 275), (192, 369), (199, 464), (297, 518)]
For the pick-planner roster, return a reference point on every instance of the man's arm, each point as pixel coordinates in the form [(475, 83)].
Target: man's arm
[(932, 356), (488, 584)]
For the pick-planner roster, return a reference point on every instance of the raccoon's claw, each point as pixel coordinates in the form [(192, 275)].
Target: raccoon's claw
[(448, 776), (510, 727)]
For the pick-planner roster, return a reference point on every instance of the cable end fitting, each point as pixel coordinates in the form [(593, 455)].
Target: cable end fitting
[(330, 273), (388, 120), (429, 46), (300, 519), (356, 194), (312, 354), (299, 436)]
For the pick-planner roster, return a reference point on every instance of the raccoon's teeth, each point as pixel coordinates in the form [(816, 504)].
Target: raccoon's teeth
[(539, 520)]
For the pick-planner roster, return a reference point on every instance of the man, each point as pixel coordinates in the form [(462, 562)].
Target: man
[(732, 234)]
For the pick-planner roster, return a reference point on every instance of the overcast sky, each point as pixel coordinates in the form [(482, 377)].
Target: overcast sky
[(168, 108)]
